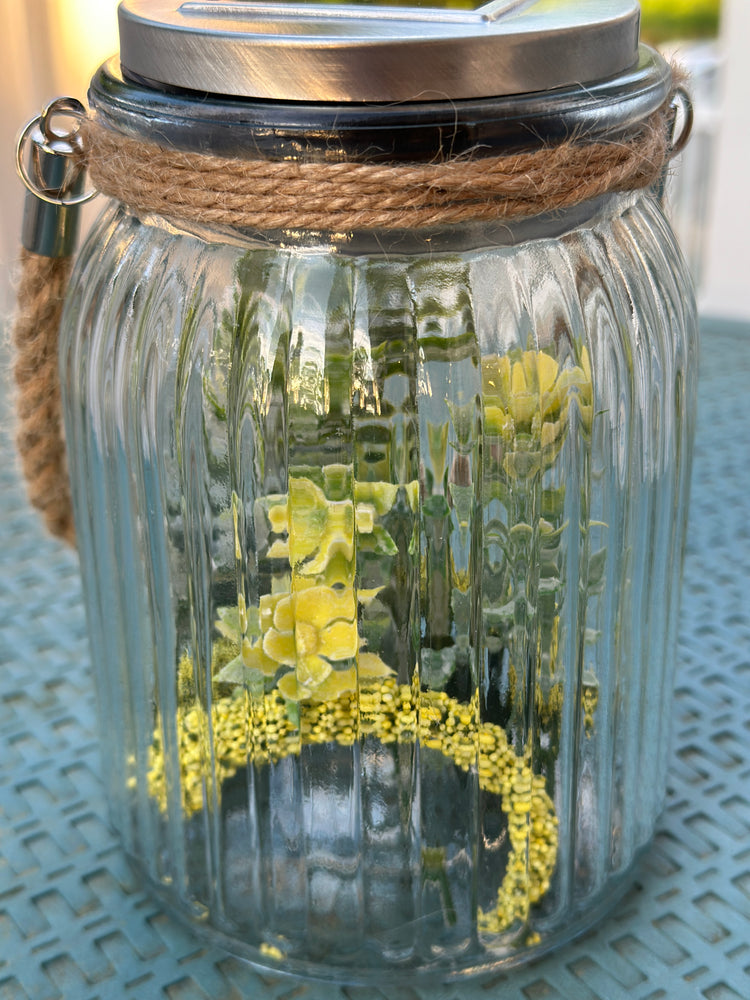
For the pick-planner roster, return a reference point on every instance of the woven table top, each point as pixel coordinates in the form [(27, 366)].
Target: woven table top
[(74, 922)]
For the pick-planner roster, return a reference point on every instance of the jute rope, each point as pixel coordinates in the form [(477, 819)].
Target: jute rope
[(41, 293), (267, 195)]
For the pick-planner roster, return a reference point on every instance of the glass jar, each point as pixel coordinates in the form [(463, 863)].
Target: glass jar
[(381, 535)]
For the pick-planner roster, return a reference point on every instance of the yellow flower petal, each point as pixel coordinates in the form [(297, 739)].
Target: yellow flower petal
[(338, 682), (278, 517), (305, 495), (371, 666), (412, 493), (366, 597), (381, 495), (338, 570), (550, 432), (267, 606), (329, 550), (340, 517), (496, 376), (523, 406), (339, 641), (307, 639), (365, 516), (279, 550), (237, 547), (283, 614), (586, 363), (312, 670), (547, 371), (279, 646), (518, 384), (322, 605), (528, 360), (255, 659), (497, 421), (290, 688), (573, 379), (308, 514)]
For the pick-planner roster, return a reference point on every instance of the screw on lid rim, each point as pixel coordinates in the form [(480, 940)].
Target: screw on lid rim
[(343, 53)]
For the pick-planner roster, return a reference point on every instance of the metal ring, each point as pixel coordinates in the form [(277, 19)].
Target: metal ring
[(681, 98), (64, 104)]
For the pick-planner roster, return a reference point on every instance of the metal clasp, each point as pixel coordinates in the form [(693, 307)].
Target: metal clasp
[(51, 164), (682, 120)]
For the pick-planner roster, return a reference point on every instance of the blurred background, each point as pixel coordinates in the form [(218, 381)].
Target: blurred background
[(51, 47)]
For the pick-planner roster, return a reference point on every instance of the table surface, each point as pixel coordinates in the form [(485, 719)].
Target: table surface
[(74, 922)]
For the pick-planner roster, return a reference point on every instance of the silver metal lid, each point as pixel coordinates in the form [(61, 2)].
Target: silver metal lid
[(360, 53)]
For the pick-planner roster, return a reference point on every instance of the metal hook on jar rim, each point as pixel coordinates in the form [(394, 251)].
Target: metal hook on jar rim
[(681, 103), (54, 142)]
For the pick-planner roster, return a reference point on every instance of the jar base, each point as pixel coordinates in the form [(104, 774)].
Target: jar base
[(268, 959)]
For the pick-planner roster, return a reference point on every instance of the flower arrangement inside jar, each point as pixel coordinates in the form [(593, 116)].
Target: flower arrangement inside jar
[(354, 634)]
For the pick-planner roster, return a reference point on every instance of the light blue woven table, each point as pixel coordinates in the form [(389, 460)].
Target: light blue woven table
[(75, 924)]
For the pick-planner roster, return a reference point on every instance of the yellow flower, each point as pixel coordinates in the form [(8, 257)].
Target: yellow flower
[(310, 631), (526, 405), (313, 522), (369, 668), (313, 631), (320, 532), (318, 529)]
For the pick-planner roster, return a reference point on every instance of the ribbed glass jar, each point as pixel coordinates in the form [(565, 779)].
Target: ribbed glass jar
[(381, 541)]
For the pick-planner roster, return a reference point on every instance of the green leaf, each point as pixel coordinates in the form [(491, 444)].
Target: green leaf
[(228, 623), (553, 503), (504, 615), (463, 501), (222, 652), (213, 400), (597, 565), (253, 621), (292, 713), (384, 541), (436, 506), (235, 672)]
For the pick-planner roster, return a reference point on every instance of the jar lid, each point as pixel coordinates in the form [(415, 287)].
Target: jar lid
[(362, 52)]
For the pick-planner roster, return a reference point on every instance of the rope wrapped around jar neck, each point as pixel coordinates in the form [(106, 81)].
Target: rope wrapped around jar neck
[(265, 194)]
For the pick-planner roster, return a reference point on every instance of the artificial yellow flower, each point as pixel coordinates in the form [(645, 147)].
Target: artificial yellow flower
[(526, 404), (369, 668), (310, 631), (320, 532)]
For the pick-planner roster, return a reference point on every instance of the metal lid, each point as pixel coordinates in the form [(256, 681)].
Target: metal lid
[(367, 52)]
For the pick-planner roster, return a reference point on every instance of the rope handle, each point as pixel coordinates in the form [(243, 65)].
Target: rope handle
[(51, 163), (39, 437)]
